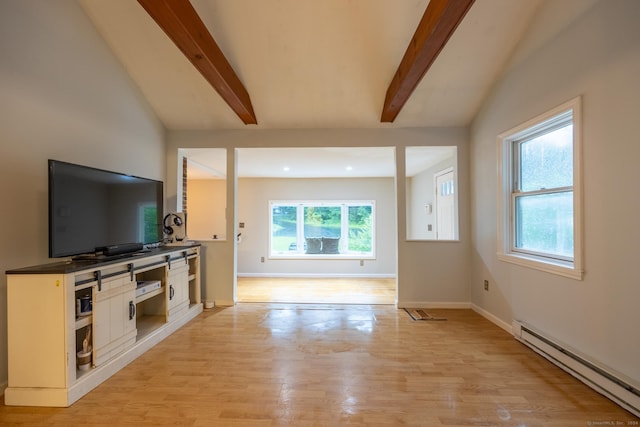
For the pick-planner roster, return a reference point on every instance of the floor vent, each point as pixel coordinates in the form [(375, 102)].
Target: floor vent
[(598, 378), (421, 314)]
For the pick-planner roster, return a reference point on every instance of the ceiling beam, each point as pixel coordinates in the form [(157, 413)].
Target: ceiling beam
[(179, 20), (437, 25)]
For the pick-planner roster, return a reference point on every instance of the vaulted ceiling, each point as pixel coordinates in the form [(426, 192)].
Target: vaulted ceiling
[(296, 64), (316, 64)]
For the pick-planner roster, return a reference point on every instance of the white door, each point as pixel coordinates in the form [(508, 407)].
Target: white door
[(445, 206)]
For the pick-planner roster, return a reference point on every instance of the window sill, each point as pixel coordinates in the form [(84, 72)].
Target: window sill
[(559, 268)]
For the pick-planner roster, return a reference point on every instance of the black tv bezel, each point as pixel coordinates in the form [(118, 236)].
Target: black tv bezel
[(50, 169)]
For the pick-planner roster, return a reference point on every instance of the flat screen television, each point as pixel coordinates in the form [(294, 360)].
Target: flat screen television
[(91, 210)]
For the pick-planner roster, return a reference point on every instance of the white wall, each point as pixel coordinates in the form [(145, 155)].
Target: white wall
[(420, 192), (596, 56), (206, 206), (63, 96), (253, 209), (428, 272)]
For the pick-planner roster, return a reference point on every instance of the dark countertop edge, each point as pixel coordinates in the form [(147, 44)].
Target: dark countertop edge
[(72, 266)]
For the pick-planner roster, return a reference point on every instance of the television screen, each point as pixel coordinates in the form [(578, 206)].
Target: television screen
[(90, 209)]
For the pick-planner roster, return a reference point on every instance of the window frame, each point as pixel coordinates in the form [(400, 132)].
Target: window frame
[(344, 205), (572, 267)]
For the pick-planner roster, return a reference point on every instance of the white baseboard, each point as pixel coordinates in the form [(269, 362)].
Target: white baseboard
[(318, 275), (492, 318), (433, 304)]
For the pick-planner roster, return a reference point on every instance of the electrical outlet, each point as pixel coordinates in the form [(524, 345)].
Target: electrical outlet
[(361, 263), (486, 285), (261, 259)]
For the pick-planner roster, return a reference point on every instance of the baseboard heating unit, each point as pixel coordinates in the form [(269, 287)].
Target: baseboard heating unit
[(598, 378)]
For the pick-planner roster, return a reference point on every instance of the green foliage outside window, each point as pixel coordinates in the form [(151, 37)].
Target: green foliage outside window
[(355, 234), (150, 225), (283, 227), (322, 221), (360, 232)]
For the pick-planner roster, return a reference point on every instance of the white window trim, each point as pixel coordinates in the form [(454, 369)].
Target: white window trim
[(346, 255), (572, 269)]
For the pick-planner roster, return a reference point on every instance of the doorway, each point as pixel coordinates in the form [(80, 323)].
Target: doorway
[(445, 205), (327, 188)]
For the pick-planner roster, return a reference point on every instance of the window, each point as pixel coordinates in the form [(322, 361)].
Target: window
[(322, 229), (148, 224), (539, 212)]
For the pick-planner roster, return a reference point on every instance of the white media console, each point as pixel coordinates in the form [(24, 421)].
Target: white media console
[(136, 301)]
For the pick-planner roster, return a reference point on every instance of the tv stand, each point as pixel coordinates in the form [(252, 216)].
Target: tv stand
[(45, 368)]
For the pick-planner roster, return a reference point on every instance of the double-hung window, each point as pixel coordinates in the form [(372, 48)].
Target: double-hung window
[(539, 212), (322, 229)]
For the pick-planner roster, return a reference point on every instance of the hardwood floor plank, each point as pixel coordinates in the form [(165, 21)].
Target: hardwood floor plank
[(316, 290), (330, 365)]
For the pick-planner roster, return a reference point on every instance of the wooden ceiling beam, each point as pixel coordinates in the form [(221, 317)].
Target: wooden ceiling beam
[(440, 20), (179, 20)]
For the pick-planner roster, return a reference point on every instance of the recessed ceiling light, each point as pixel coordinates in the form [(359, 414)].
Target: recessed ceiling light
[(286, 168), (349, 168)]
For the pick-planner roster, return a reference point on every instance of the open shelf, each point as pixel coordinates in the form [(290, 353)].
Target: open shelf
[(148, 324), (148, 295), (83, 321)]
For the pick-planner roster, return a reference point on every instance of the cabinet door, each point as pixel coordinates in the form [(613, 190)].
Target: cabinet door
[(123, 314), (178, 290), (114, 318)]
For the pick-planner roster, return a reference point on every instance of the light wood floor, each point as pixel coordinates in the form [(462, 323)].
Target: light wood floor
[(333, 365), (316, 290)]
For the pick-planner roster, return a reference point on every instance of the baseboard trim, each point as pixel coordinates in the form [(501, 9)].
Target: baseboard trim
[(317, 276), (433, 304), (492, 318)]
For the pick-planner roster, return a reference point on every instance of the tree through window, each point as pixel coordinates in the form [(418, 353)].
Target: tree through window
[(320, 228)]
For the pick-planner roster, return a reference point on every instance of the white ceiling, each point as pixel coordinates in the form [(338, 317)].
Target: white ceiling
[(316, 162), (320, 64)]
